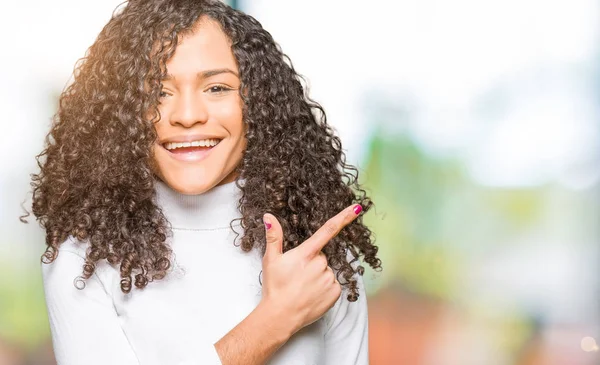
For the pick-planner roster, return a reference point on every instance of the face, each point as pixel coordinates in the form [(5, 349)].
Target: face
[(201, 135)]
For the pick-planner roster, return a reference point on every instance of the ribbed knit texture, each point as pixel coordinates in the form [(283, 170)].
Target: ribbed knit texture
[(212, 287)]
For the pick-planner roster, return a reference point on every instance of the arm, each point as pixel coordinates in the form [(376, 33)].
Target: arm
[(257, 337), (84, 325), (298, 288), (347, 334)]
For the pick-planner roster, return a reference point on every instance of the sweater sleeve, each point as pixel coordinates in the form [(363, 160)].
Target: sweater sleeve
[(84, 325), (347, 336)]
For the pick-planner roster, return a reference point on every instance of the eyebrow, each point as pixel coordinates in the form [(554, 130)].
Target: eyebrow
[(205, 74)]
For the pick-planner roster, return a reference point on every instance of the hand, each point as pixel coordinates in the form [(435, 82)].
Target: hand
[(299, 284)]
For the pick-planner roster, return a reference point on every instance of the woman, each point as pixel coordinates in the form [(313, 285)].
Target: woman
[(188, 185)]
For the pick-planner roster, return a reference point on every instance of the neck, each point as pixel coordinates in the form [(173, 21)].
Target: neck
[(216, 208)]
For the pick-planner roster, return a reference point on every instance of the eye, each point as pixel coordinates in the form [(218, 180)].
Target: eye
[(218, 89), (163, 94)]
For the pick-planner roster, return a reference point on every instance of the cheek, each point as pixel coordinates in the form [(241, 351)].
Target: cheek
[(158, 161), (230, 117), (160, 158), (161, 124)]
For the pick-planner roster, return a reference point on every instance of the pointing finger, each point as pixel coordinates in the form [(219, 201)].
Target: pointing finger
[(330, 229)]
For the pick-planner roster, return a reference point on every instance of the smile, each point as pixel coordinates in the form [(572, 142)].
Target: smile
[(172, 146), (191, 151)]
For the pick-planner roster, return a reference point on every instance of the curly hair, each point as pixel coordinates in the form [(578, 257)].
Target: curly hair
[(96, 179)]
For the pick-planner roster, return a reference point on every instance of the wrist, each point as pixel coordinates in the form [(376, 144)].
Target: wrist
[(277, 320)]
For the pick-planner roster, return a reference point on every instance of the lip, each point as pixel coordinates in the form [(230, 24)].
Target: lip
[(188, 138), (189, 156)]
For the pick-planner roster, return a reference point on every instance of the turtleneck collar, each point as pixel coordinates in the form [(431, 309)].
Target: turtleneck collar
[(213, 209)]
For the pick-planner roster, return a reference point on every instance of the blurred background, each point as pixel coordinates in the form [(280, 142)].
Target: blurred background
[(476, 128)]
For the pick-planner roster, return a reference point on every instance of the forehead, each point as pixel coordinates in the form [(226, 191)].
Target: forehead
[(205, 48)]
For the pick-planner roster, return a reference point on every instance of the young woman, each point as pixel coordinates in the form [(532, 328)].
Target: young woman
[(198, 207)]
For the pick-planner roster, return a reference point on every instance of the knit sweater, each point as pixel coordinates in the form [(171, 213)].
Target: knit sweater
[(211, 287)]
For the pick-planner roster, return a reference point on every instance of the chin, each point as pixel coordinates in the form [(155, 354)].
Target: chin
[(188, 185), (189, 189), (194, 179), (195, 185)]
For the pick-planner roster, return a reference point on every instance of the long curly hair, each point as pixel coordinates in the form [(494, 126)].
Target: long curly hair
[(96, 179)]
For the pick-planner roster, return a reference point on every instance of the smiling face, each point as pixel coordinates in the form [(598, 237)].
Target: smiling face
[(201, 135)]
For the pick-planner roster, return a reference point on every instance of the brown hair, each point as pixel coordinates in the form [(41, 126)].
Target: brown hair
[(96, 180)]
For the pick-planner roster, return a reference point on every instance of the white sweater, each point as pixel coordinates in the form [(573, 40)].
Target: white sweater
[(212, 286)]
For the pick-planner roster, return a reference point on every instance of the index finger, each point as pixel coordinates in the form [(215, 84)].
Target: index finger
[(330, 229)]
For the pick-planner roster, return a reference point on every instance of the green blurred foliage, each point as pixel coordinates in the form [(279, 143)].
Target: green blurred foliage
[(430, 216), (23, 316), (408, 187)]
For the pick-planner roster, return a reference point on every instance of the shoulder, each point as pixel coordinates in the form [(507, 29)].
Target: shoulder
[(68, 265), (74, 247), (344, 309)]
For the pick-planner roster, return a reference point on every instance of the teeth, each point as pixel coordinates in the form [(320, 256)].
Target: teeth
[(199, 143)]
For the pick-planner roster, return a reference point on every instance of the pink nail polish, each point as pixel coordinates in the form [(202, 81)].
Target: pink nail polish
[(357, 209), (267, 224)]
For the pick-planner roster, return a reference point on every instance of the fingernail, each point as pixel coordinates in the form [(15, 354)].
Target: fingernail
[(357, 209), (267, 224)]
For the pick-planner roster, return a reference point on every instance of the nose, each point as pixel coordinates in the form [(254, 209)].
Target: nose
[(189, 110)]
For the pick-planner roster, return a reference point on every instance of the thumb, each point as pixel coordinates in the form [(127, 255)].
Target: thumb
[(274, 236)]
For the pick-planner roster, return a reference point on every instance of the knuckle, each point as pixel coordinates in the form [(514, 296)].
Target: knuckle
[(337, 289), (271, 236), (322, 259), (331, 228), (350, 215), (323, 265), (330, 276)]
